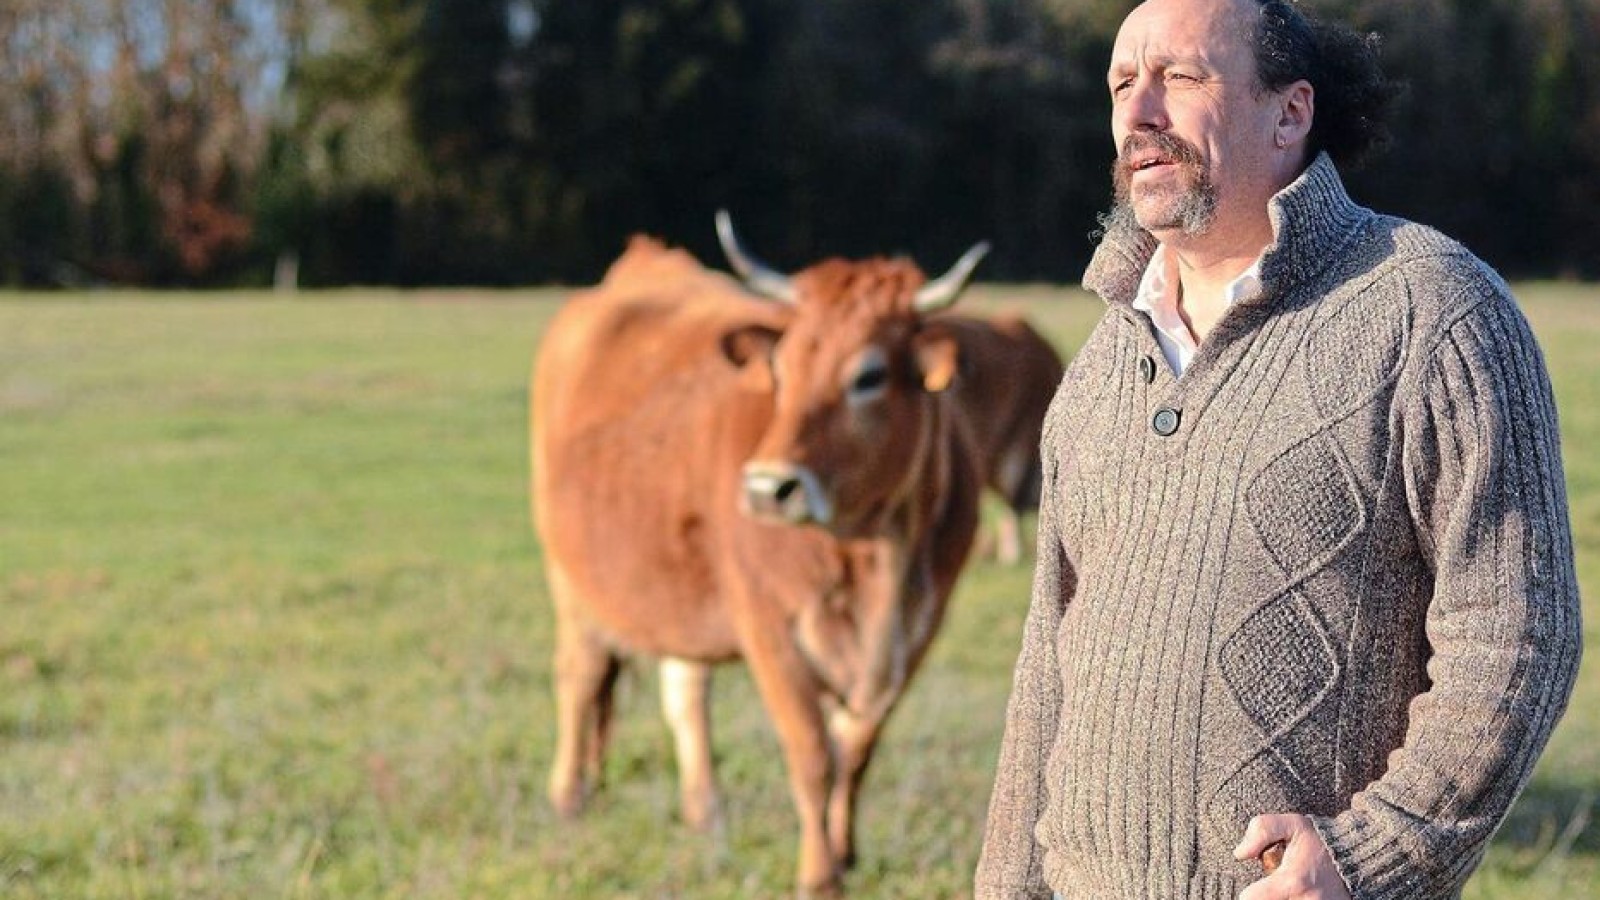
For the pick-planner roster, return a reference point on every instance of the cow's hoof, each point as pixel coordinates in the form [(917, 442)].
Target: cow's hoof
[(704, 822), (701, 812), (568, 803), (830, 890)]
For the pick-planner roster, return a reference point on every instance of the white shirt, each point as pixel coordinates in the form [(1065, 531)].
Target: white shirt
[(1159, 302)]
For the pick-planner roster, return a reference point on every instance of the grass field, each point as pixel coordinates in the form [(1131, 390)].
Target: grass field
[(272, 626)]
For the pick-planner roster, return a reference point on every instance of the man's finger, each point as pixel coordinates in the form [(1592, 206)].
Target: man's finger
[(1262, 832)]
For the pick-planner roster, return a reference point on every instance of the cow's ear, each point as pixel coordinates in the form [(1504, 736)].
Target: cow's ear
[(750, 343), (938, 357)]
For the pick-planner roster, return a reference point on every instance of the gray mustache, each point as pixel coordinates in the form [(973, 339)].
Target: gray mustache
[(1170, 147)]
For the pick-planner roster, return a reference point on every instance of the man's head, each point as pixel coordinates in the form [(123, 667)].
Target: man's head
[(1218, 104)]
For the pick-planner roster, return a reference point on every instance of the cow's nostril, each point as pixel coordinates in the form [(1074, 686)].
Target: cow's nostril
[(786, 490), (785, 493)]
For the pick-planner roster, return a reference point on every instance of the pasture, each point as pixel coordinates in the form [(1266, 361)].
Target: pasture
[(272, 625)]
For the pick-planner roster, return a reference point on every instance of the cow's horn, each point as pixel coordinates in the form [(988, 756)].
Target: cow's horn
[(756, 275), (943, 291)]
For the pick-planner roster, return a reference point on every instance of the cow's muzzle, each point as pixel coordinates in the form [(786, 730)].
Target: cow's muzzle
[(785, 493)]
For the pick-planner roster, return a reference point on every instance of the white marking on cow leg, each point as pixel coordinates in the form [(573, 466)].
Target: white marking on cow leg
[(685, 701), (1008, 534), (1015, 467)]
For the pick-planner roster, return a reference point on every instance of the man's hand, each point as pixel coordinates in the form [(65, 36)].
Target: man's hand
[(1307, 872)]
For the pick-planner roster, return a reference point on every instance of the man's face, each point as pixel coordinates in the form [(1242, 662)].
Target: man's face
[(1193, 132)]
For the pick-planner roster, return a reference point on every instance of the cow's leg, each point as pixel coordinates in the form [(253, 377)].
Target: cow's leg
[(600, 735), (1008, 537), (584, 670), (685, 701), (854, 738), (791, 695)]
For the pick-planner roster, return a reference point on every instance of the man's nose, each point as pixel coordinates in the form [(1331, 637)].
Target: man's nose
[(1143, 106)]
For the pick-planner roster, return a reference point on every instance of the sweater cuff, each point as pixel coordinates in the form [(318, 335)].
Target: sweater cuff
[(1371, 861)]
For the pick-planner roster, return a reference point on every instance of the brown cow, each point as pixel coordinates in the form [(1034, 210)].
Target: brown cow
[(717, 476), (1007, 377)]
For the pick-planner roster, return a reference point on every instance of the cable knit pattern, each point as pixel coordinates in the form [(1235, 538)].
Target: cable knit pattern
[(1343, 586)]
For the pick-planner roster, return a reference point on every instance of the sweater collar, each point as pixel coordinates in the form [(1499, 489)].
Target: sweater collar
[(1311, 220)]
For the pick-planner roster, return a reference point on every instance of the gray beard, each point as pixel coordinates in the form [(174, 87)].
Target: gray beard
[(1191, 212), (1189, 207)]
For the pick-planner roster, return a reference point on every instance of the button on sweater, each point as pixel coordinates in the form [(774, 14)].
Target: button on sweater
[(1342, 585)]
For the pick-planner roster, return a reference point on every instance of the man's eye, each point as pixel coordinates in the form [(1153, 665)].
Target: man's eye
[(1122, 86), (1182, 76)]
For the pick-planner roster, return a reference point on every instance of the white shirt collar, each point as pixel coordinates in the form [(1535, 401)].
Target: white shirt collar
[(1159, 304)]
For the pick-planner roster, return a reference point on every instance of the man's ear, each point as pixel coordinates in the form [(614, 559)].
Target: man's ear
[(1297, 110), (750, 343), (938, 356)]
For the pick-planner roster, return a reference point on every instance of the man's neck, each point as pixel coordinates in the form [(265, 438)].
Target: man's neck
[(1203, 268)]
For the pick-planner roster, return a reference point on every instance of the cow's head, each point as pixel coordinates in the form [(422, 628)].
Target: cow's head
[(855, 373)]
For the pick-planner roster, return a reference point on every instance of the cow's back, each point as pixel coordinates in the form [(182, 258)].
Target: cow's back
[(1009, 373)]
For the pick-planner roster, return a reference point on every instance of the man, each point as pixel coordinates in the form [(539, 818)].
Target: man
[(1304, 573)]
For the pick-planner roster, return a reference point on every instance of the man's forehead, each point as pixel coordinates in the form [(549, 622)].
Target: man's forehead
[(1182, 29)]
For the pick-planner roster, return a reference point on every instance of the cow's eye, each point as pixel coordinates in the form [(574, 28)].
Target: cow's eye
[(869, 382), (872, 379)]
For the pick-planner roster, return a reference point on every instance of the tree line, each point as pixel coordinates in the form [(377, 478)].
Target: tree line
[(330, 142)]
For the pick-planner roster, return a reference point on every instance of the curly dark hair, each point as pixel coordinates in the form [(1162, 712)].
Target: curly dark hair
[(1352, 95)]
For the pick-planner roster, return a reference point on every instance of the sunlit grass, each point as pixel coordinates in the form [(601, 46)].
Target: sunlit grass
[(272, 625)]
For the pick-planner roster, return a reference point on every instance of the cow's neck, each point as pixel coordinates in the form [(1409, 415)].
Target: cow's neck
[(864, 639)]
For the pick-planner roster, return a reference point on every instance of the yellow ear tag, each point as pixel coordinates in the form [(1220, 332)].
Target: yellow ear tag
[(938, 378)]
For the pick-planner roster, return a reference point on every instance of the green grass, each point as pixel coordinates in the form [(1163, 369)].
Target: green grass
[(272, 626)]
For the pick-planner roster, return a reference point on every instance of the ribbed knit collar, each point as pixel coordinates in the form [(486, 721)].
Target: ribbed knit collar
[(1311, 220)]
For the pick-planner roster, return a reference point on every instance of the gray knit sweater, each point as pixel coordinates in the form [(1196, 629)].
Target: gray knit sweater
[(1327, 571)]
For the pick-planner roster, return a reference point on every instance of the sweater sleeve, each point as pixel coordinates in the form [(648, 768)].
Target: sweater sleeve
[(1011, 864), (1484, 480)]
